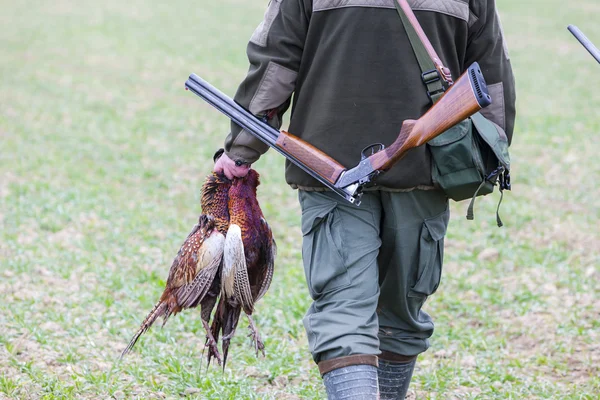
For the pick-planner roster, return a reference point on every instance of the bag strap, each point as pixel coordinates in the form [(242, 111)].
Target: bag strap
[(498, 174), (433, 73)]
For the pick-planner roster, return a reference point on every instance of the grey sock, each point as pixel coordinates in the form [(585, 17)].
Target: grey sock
[(355, 382), (394, 378)]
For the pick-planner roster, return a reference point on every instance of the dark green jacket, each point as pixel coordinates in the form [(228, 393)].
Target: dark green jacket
[(354, 77)]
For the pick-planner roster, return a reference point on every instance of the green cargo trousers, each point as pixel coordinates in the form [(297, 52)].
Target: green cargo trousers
[(369, 269)]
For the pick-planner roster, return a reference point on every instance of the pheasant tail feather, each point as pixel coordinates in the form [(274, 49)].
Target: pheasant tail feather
[(159, 310)]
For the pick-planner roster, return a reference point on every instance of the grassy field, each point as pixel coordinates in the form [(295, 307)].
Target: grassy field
[(102, 155)]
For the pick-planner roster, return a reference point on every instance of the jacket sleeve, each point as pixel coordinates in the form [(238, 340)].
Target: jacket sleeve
[(487, 46), (274, 51)]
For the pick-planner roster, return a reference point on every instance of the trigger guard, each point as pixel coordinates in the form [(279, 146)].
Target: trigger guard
[(373, 149)]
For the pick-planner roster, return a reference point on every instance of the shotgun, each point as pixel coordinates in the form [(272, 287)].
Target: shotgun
[(589, 46), (464, 98)]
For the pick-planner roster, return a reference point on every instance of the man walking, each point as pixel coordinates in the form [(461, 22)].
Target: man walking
[(354, 78)]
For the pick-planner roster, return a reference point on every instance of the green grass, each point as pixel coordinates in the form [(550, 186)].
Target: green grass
[(102, 155)]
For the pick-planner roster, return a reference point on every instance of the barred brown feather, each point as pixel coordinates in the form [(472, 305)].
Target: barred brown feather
[(195, 269)]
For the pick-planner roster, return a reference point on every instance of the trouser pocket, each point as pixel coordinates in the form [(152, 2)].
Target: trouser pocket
[(324, 264), (431, 255)]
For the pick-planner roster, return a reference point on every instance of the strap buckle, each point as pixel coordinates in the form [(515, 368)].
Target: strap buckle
[(430, 77), (500, 176), (493, 176), (505, 180)]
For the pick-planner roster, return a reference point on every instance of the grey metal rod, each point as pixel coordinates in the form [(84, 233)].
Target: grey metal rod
[(587, 43), (234, 111)]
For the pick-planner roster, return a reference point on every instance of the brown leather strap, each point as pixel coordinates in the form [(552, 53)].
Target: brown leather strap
[(443, 70), (393, 357), (341, 362)]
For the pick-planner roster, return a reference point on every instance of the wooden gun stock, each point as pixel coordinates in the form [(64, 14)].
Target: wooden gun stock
[(467, 96), (314, 158)]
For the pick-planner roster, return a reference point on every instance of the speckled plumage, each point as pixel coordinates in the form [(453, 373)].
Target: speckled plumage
[(231, 222), (194, 276), (214, 200)]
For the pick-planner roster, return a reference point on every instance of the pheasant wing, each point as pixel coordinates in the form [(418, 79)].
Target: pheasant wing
[(196, 263), (234, 278), (208, 259)]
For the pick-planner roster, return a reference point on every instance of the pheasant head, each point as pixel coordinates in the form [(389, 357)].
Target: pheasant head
[(214, 200)]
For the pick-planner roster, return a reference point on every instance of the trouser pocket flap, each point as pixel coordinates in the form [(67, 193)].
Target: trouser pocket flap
[(431, 253), (313, 216)]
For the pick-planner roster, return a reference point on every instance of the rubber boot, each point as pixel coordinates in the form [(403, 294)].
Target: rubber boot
[(394, 378), (354, 382)]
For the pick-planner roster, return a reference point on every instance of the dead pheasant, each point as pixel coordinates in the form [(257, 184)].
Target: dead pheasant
[(248, 263), (194, 277)]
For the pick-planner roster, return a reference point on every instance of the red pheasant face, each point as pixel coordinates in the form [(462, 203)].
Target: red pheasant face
[(245, 187)]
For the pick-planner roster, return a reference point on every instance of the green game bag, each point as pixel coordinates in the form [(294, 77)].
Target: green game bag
[(470, 159)]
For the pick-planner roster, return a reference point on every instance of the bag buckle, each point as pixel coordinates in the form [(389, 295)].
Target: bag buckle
[(500, 175), (493, 176), (505, 180)]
